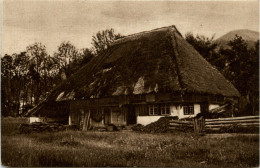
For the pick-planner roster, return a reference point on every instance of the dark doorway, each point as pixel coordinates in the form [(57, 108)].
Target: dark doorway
[(204, 107), (107, 116), (131, 116)]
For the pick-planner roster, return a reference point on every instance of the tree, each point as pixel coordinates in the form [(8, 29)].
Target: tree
[(237, 63), (7, 66), (86, 56), (7, 69), (50, 71), (207, 48), (29, 76), (102, 40), (66, 54), (204, 45), (37, 54), (20, 79), (242, 70), (14, 78), (253, 82)]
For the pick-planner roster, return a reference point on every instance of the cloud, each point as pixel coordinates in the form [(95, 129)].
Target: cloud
[(52, 22)]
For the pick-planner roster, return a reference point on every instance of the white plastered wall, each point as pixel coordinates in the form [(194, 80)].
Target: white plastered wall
[(196, 111), (70, 120), (212, 106), (145, 120), (35, 119), (174, 110)]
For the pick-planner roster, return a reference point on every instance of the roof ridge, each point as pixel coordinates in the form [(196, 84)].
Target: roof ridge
[(175, 55), (140, 34)]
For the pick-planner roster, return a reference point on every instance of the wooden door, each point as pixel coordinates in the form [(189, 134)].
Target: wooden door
[(204, 108), (131, 115), (107, 116)]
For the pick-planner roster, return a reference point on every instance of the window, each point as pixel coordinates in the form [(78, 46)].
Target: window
[(188, 109), (153, 110), (165, 109)]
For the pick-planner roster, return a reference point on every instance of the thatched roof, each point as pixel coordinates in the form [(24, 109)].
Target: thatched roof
[(154, 61)]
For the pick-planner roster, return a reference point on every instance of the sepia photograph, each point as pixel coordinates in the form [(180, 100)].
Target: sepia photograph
[(133, 83)]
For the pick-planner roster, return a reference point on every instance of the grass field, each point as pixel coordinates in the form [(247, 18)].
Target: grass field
[(76, 148)]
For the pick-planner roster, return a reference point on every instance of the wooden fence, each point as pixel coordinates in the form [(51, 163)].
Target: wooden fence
[(201, 125), (196, 124), (237, 122)]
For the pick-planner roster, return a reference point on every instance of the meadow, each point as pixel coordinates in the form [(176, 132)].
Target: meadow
[(101, 149)]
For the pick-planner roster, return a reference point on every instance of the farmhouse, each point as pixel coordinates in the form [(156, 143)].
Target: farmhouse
[(139, 79)]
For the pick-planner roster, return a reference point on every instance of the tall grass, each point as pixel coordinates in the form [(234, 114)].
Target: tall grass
[(9, 125), (76, 148)]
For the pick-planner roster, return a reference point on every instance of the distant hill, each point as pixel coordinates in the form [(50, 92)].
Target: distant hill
[(248, 35)]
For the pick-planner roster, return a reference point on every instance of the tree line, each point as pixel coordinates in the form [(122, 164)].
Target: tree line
[(29, 76), (238, 63)]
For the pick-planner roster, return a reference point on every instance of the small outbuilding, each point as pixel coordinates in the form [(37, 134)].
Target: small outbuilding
[(137, 80)]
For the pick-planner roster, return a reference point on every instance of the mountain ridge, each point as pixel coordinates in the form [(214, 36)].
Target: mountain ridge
[(249, 36)]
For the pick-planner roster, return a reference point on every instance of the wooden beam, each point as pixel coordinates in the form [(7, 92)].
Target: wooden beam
[(180, 122), (84, 122), (229, 125), (181, 125), (232, 121), (213, 129), (87, 125), (234, 118)]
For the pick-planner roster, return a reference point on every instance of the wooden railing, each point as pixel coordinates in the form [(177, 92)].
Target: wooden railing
[(196, 124), (201, 125), (239, 122)]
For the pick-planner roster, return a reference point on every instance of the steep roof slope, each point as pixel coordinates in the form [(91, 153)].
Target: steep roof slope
[(197, 74), (155, 61)]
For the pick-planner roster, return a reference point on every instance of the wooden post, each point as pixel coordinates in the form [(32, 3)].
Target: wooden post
[(103, 122), (81, 121), (70, 119), (195, 124), (203, 125), (199, 125), (87, 125), (84, 122)]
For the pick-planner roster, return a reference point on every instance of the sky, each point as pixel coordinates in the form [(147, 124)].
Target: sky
[(51, 22)]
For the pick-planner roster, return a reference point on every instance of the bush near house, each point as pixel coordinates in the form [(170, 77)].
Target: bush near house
[(76, 148)]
